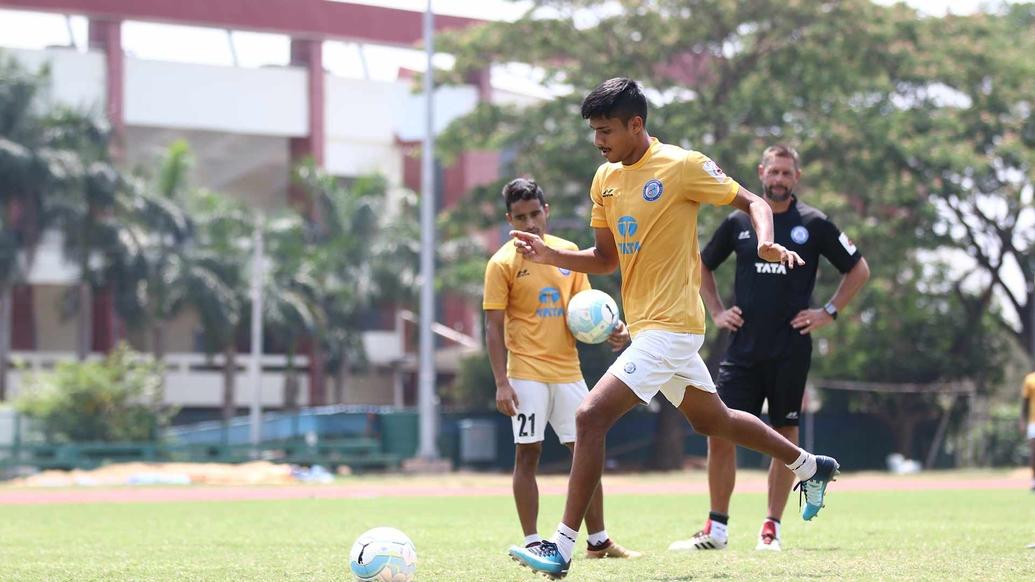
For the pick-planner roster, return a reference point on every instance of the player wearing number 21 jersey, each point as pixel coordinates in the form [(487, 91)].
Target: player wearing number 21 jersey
[(534, 360)]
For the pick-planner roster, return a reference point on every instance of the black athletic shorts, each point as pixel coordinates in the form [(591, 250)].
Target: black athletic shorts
[(781, 382)]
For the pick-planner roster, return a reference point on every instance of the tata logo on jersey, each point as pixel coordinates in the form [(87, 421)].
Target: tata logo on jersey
[(627, 231), (549, 298), (771, 268)]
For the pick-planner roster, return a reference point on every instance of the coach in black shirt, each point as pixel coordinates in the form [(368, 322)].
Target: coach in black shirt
[(769, 356)]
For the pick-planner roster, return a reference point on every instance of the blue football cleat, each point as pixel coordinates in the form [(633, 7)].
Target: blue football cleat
[(815, 488), (544, 559)]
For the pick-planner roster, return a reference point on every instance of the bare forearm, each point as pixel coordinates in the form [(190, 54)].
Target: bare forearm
[(589, 260), (710, 292), (761, 219), (497, 352), (850, 284), (759, 211)]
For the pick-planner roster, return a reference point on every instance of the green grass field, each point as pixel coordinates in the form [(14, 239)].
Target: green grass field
[(915, 535)]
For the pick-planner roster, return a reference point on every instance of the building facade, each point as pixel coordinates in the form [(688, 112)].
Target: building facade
[(247, 128)]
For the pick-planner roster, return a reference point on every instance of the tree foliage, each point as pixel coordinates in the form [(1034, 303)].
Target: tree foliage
[(915, 134), (115, 399)]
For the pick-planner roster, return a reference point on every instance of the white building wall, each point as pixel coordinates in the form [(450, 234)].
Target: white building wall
[(451, 103), (182, 95), (54, 331), (77, 78), (360, 118), (49, 266), (366, 119)]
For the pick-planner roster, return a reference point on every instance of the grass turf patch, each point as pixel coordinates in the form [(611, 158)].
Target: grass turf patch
[(911, 535)]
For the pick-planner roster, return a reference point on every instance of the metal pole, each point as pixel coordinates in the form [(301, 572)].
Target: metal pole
[(426, 381), (254, 364)]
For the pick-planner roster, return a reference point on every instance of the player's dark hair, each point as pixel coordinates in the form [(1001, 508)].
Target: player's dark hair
[(781, 151), (522, 189), (619, 97)]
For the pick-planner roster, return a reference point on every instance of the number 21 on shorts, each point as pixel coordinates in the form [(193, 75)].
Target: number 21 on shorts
[(527, 427)]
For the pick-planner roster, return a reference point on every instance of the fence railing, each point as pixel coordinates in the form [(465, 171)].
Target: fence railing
[(191, 379)]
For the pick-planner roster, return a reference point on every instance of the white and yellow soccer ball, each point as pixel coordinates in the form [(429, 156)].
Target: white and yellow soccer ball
[(592, 316), (384, 554)]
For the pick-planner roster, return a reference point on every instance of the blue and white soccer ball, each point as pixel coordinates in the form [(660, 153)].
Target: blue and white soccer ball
[(592, 316), (384, 554)]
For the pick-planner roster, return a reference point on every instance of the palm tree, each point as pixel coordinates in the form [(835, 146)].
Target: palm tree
[(23, 176), (341, 252), (162, 234), (46, 160), (291, 307), (85, 208), (223, 230)]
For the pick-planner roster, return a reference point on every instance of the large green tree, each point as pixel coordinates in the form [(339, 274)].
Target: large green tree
[(870, 96)]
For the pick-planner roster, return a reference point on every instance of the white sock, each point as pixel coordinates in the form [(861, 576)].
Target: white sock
[(719, 531), (565, 538), (595, 539), (804, 467), (533, 539)]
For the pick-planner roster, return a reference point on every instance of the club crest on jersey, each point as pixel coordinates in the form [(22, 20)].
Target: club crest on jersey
[(800, 234), (652, 190), (713, 170), (564, 272)]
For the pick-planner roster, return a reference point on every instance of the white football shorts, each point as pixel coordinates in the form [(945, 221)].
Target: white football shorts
[(540, 404), (663, 361)]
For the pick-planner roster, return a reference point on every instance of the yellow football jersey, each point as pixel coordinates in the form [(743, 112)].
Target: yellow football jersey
[(651, 208), (1029, 393), (535, 298)]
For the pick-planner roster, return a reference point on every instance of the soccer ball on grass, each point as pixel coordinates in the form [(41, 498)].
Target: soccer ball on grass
[(383, 554)]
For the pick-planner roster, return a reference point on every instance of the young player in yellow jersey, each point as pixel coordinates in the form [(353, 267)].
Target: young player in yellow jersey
[(645, 203), (1028, 418), (540, 382)]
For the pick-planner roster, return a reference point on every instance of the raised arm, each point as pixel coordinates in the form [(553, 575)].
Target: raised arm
[(762, 220), (597, 260)]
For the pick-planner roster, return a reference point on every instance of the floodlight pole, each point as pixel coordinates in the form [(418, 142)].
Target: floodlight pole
[(255, 363), (426, 377)]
